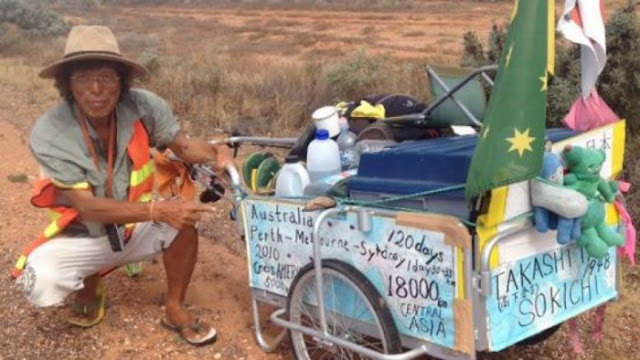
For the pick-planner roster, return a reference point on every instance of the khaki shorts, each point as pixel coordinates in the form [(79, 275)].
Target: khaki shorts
[(58, 267)]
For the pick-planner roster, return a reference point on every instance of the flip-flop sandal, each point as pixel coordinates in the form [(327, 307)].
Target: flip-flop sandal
[(97, 306), (196, 326)]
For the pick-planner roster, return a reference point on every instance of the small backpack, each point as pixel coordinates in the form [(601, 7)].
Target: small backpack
[(363, 116)]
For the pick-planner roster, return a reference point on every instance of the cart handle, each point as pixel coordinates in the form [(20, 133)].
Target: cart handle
[(234, 175), (286, 143)]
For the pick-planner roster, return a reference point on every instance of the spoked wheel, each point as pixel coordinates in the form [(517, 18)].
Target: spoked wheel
[(354, 310)]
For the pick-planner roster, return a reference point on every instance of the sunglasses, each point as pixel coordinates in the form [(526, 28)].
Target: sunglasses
[(106, 80)]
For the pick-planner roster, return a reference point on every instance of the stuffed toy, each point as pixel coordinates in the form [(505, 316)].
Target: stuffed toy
[(556, 207), (584, 167)]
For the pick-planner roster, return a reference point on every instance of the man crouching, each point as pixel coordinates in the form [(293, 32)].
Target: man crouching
[(94, 149)]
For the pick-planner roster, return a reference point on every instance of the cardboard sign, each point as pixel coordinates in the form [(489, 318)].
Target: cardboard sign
[(413, 268), (532, 294)]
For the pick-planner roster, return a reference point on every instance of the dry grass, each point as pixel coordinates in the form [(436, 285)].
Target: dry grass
[(211, 90), (266, 75), (16, 74), (413, 33)]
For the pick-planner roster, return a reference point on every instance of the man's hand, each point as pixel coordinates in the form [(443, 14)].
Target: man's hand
[(224, 156), (198, 151), (179, 214)]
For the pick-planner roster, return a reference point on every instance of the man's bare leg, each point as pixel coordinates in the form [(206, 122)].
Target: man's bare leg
[(88, 293), (88, 309), (179, 262)]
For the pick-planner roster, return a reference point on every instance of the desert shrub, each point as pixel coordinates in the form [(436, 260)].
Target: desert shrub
[(619, 83), (150, 59), (25, 23), (331, 4), (496, 43), (259, 96), (34, 19), (474, 54), (9, 36), (564, 88), (473, 51), (359, 73), (265, 97)]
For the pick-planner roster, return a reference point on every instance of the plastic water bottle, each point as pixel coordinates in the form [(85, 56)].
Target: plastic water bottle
[(322, 186), (346, 143), (292, 178), (369, 146), (323, 156)]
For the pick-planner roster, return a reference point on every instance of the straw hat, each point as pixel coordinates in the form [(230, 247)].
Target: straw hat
[(92, 43)]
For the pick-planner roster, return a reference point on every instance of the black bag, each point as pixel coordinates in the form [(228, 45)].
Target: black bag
[(394, 105), (371, 128)]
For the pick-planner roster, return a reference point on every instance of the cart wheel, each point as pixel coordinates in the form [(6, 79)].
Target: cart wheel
[(354, 310)]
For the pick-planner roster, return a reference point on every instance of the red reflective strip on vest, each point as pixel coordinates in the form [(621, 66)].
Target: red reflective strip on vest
[(138, 148), (140, 156)]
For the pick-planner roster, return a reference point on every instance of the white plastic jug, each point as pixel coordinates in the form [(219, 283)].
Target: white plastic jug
[(327, 118), (323, 156), (292, 178)]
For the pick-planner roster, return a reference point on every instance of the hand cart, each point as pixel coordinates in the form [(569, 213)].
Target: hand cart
[(382, 278)]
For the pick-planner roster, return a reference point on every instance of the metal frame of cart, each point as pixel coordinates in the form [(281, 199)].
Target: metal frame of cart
[(489, 310)]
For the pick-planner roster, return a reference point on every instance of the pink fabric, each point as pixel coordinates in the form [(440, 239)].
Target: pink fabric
[(574, 336), (624, 186), (589, 113), (598, 323), (596, 335), (629, 248)]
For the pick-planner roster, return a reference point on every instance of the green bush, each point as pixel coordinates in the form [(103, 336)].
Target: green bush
[(33, 19), (619, 83), (360, 75), (564, 88), (474, 54), (496, 43), (473, 51)]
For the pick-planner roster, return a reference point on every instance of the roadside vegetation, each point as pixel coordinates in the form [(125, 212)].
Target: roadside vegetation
[(619, 83), (261, 77), (368, 5), (21, 21), (265, 87)]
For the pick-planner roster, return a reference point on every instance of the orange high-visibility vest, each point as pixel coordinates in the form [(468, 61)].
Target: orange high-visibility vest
[(140, 189)]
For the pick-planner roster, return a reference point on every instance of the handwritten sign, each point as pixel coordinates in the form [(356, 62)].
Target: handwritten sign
[(601, 138), (413, 269), (537, 292)]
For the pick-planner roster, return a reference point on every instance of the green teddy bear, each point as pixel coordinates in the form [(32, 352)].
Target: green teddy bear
[(584, 176)]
